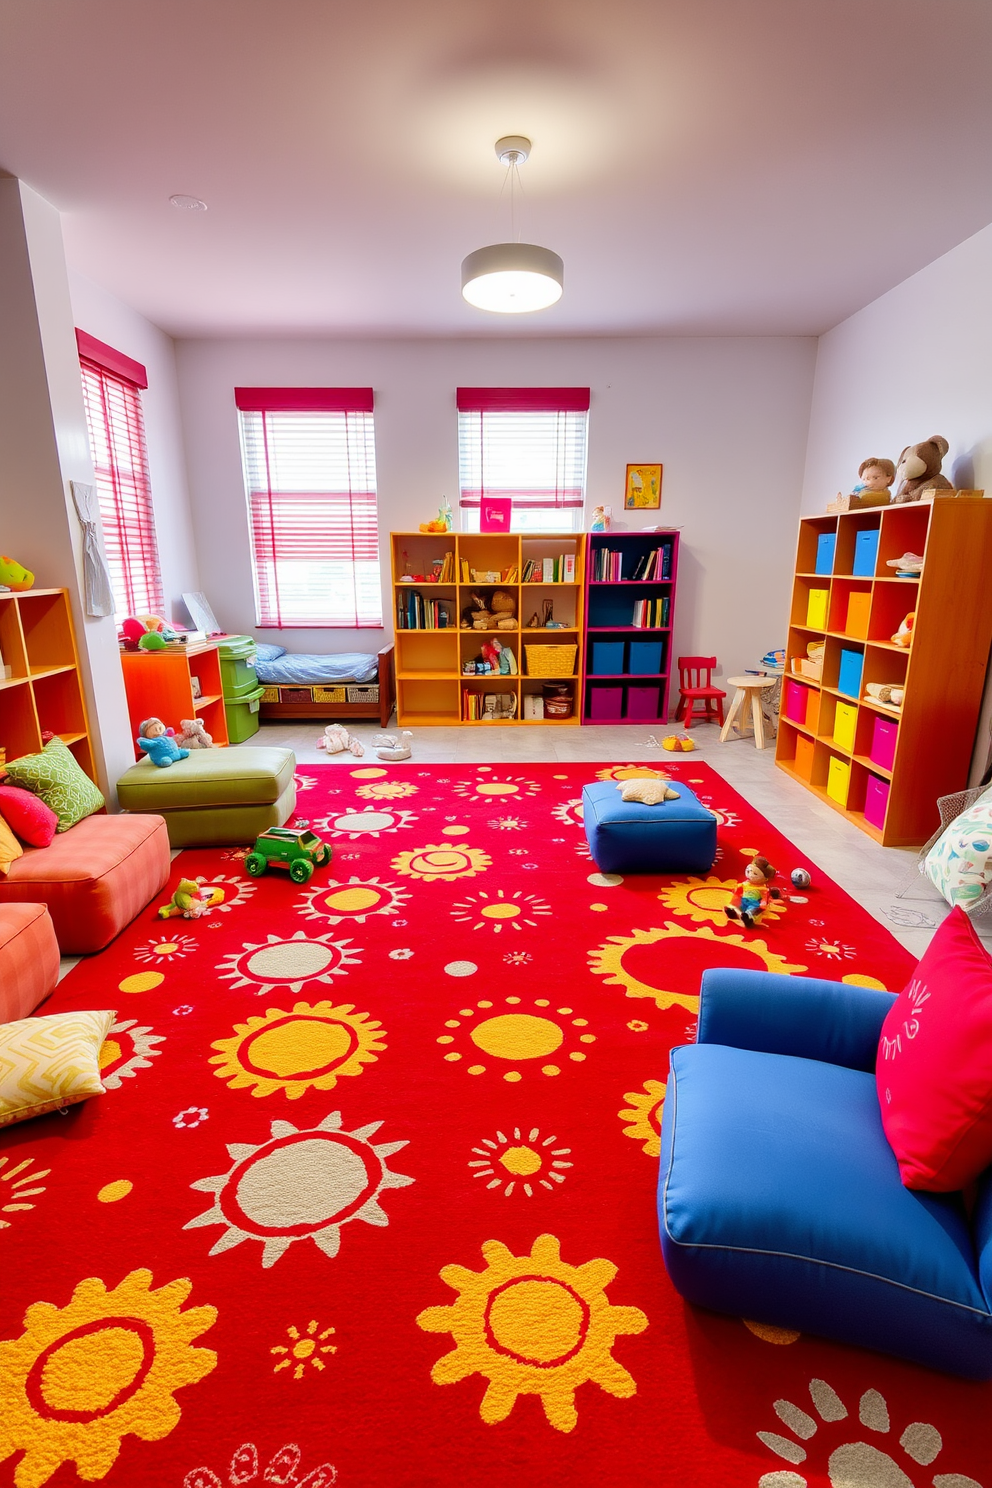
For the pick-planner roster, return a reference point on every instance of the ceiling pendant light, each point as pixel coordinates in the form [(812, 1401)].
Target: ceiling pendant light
[(512, 278)]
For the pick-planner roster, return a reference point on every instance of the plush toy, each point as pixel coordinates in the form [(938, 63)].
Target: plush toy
[(393, 746), (194, 735), (156, 742), (800, 878), (875, 476), (600, 521), (475, 615), (753, 894), (190, 901), (648, 792), (904, 635), (884, 693), (504, 608), (14, 574), (677, 742), (919, 469), (336, 739)]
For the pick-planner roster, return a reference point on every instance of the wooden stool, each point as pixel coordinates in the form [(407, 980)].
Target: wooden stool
[(748, 688)]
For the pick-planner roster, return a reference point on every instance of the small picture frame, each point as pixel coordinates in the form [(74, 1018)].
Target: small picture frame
[(642, 490)]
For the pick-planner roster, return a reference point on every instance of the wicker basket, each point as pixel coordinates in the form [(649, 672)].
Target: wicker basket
[(550, 661), (328, 695), (364, 694), (270, 695)]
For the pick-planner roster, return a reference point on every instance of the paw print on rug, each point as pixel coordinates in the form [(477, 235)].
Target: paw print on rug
[(854, 1463), (281, 1471)]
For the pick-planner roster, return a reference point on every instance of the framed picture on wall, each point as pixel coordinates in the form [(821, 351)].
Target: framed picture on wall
[(642, 491)]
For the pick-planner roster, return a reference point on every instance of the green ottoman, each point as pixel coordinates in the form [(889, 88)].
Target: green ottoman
[(216, 796)]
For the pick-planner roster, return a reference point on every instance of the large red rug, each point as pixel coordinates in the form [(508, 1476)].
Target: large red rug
[(371, 1192)]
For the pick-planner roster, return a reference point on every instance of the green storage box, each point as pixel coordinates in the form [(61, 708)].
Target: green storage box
[(237, 667), (242, 714)]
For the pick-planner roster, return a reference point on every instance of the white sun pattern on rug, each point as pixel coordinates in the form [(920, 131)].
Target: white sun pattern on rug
[(370, 821), (854, 1462), (287, 964), (520, 1161), (300, 1184), (126, 1049), (281, 1471), (237, 891)]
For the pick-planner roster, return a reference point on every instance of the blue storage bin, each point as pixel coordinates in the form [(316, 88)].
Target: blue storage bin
[(825, 545), (849, 675), (645, 658), (607, 658), (865, 553)]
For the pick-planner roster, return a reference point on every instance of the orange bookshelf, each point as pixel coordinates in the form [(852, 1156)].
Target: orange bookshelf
[(159, 684), (43, 693)]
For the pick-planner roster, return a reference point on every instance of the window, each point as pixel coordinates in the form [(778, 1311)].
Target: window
[(528, 444), (309, 459), (112, 386)]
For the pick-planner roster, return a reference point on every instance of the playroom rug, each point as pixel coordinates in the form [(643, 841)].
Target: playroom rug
[(370, 1196)]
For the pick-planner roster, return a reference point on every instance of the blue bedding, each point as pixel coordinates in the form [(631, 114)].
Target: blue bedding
[(302, 670)]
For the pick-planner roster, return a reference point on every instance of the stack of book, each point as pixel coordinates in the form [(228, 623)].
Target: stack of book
[(650, 614), (607, 566), (413, 612), (560, 570), (654, 565), (443, 570)]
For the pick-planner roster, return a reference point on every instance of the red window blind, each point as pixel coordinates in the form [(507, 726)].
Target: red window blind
[(309, 462), (528, 444), (111, 385)]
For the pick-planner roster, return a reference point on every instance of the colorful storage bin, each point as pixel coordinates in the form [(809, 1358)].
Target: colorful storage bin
[(883, 742), (816, 609), (825, 545), (796, 698), (605, 703), (804, 757), (237, 666), (845, 722), (838, 780), (876, 800), (858, 608), (645, 658), (849, 674), (242, 715), (812, 709), (865, 554), (607, 658), (643, 702)]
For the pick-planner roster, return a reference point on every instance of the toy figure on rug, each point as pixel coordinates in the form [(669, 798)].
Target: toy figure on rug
[(194, 735), (754, 893), (336, 739), (155, 740), (393, 747), (190, 901)]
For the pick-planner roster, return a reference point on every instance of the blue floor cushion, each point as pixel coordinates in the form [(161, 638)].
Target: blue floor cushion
[(627, 837)]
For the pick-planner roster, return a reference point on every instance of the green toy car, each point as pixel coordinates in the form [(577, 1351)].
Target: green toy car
[(282, 847)]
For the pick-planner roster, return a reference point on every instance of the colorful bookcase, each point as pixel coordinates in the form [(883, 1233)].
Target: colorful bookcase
[(43, 693), (631, 580), (160, 684), (879, 763)]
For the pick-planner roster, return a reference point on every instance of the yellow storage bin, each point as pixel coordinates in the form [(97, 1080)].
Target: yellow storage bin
[(838, 780), (270, 695), (550, 661), (816, 609), (845, 720), (328, 695)]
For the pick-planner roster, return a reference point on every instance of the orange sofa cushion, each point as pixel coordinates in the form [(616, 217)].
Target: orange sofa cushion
[(94, 878), (29, 959)]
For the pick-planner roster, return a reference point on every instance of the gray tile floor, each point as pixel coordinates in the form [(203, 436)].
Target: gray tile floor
[(874, 876)]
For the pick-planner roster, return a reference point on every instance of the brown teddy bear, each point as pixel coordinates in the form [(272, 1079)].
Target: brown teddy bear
[(504, 608), (919, 469)]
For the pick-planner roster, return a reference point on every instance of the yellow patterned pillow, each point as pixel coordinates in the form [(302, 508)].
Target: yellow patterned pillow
[(51, 1062), (10, 848)]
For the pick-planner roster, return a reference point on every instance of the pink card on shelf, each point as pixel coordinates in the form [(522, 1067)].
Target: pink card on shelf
[(495, 514)]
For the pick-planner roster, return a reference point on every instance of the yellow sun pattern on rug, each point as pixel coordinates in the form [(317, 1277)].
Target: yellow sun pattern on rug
[(858, 979), (501, 910), (302, 1184), (442, 864), (334, 901), (166, 948), (19, 1183), (569, 813), (307, 1049), (644, 1114), (705, 900), (517, 1038), (632, 772), (607, 960), (387, 790), (519, 1162), (304, 1349), (105, 1366), (126, 1049), (496, 788), (533, 1325), (286, 965)]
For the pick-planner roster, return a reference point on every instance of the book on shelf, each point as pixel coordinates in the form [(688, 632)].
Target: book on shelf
[(413, 612), (650, 614), (466, 575), (656, 564), (568, 560)]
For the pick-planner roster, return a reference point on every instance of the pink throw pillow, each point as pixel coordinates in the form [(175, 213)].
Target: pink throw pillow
[(934, 1068), (27, 815)]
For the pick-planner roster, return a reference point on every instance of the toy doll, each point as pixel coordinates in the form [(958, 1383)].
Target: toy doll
[(753, 894), (875, 476), (157, 742)]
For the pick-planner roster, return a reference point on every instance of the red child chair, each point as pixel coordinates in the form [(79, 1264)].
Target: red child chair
[(696, 686)]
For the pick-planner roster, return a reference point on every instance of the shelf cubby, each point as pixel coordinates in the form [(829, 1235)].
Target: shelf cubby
[(44, 693)]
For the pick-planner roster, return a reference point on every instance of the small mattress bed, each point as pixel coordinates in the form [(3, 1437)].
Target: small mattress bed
[(347, 684)]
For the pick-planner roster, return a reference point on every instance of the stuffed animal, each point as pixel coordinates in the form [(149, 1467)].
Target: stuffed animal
[(190, 901), (753, 894), (393, 746), (504, 609), (919, 469), (648, 792), (875, 476), (157, 743), (14, 574), (336, 739), (904, 635), (475, 615), (678, 742), (194, 735)]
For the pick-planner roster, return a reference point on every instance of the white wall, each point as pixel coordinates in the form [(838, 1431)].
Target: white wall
[(915, 362), (107, 318), (727, 417)]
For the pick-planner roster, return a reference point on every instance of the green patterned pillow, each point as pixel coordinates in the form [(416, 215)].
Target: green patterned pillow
[(55, 776)]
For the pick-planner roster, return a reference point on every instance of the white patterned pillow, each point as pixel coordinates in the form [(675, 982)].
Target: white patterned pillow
[(50, 1062), (959, 865)]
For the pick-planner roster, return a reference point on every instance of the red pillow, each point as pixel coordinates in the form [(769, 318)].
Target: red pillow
[(934, 1069), (27, 815)]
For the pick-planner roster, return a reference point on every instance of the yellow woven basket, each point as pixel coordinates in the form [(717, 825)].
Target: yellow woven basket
[(550, 661)]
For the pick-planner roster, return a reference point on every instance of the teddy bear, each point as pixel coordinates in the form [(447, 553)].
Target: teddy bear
[(336, 739), (504, 609), (753, 894), (918, 469), (194, 735), (475, 615)]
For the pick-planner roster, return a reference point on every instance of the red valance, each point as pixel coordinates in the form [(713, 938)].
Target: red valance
[(523, 400), (303, 400), (114, 362)]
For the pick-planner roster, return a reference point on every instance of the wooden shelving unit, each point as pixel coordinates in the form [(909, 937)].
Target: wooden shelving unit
[(625, 694), (430, 679), (44, 693), (832, 726), (159, 684)]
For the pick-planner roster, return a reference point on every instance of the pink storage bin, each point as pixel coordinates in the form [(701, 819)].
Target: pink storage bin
[(642, 702), (876, 800), (883, 742), (605, 702), (796, 698)]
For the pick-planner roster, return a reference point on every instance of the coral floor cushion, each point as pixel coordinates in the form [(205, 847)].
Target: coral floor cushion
[(934, 1069)]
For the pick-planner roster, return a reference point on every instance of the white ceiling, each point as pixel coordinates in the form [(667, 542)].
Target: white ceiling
[(702, 166)]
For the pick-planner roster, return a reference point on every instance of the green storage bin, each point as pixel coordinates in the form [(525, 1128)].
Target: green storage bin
[(237, 667), (242, 715)]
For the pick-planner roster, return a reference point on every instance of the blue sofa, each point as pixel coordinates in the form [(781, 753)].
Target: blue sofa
[(779, 1197)]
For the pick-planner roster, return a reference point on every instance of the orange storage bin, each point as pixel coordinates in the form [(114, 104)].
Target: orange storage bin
[(804, 755), (813, 710), (858, 606)]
